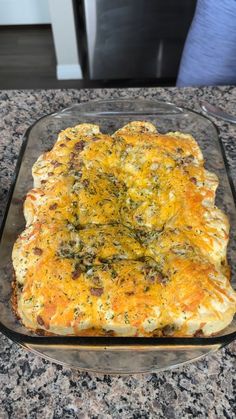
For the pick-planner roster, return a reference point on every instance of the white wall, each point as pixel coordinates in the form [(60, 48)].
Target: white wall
[(24, 12), (65, 39), (91, 23)]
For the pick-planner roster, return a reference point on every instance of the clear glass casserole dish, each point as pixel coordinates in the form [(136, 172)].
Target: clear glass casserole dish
[(112, 354)]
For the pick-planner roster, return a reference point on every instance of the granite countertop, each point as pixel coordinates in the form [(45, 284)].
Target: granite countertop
[(31, 387)]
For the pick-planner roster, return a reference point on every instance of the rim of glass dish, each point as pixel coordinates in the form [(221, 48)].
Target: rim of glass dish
[(112, 341)]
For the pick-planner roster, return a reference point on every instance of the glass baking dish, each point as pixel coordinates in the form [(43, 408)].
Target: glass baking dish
[(111, 354)]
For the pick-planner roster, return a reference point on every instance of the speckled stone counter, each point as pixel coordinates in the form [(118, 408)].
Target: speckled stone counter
[(31, 387)]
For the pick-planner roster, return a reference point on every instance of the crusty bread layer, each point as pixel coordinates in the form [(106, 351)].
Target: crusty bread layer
[(123, 238)]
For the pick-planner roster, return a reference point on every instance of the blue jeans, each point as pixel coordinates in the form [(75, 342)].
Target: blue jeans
[(209, 55)]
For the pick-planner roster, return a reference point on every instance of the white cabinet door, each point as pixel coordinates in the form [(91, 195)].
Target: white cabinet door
[(24, 12)]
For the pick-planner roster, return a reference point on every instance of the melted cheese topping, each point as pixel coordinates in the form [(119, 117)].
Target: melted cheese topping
[(123, 237)]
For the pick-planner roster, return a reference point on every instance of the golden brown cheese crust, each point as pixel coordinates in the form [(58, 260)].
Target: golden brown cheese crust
[(123, 237)]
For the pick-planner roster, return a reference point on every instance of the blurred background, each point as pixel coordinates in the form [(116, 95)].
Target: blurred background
[(92, 43)]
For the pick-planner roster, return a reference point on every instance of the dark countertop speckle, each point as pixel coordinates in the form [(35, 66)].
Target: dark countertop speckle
[(31, 387)]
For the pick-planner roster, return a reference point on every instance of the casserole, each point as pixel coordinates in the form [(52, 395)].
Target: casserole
[(112, 354)]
